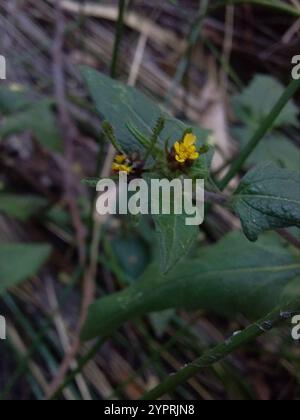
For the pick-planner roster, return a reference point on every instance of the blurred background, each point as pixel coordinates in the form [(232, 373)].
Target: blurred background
[(202, 67)]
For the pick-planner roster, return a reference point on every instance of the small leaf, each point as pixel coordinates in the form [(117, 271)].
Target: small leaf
[(39, 119), (255, 103), (19, 262), (12, 101), (232, 277), (268, 198), (21, 207)]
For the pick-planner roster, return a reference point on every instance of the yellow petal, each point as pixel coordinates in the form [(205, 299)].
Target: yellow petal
[(177, 147), (194, 156), (115, 166), (189, 139), (191, 149), (179, 159), (120, 159), (126, 169)]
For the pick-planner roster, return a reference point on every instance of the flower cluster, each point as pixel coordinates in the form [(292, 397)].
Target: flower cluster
[(180, 157)]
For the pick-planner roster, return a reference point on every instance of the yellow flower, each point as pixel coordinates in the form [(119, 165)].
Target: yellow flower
[(120, 159), (121, 164), (186, 150), (116, 167)]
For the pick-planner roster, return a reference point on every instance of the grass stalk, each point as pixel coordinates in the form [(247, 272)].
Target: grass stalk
[(264, 128), (118, 38)]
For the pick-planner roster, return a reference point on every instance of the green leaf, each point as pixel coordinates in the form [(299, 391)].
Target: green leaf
[(19, 262), (120, 105), (274, 147), (21, 207), (174, 236), (175, 239), (254, 104), (132, 254), (39, 119), (11, 101), (268, 198), (232, 277)]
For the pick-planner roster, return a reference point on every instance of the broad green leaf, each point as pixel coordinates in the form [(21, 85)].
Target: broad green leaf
[(234, 276), (39, 119), (18, 262), (274, 147), (120, 105), (255, 103), (268, 198), (21, 207), (12, 101)]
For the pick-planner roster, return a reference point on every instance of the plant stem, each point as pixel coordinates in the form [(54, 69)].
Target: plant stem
[(118, 38), (219, 352), (260, 133)]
